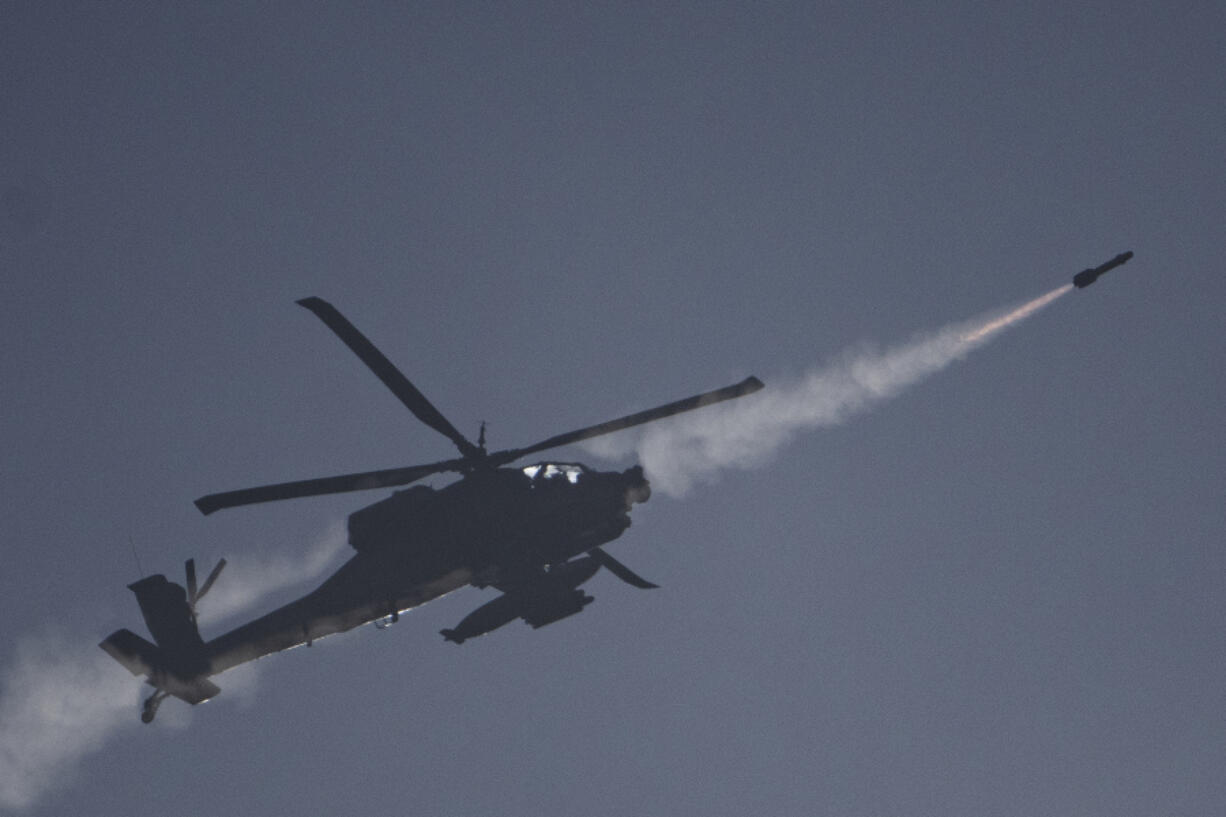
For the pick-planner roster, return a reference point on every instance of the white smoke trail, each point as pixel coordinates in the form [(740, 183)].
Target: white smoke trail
[(63, 699), (693, 448), (246, 579)]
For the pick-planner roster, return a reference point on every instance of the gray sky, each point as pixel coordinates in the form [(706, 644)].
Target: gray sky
[(999, 591)]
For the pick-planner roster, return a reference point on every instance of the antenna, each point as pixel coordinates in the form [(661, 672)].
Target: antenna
[(139, 570)]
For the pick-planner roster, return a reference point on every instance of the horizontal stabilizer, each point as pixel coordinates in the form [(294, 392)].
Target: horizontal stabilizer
[(136, 654), (139, 657), (193, 691)]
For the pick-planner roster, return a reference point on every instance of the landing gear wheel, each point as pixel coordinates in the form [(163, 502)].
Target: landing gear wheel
[(151, 706)]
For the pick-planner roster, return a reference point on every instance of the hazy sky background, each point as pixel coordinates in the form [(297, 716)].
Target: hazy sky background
[(1000, 592)]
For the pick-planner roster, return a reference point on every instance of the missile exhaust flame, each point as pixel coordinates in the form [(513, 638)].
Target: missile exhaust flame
[(1021, 313)]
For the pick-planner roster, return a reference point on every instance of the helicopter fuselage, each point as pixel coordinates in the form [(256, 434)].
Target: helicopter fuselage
[(421, 543), (533, 533)]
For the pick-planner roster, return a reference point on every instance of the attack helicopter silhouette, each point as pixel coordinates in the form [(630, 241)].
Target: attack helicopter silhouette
[(534, 533)]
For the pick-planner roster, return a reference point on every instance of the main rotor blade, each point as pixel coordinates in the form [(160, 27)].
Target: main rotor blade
[(363, 481), (392, 377), (620, 570), (747, 386)]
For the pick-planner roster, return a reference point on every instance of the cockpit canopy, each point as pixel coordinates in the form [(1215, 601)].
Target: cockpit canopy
[(572, 472)]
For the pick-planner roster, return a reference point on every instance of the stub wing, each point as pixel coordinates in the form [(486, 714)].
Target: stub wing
[(537, 596)]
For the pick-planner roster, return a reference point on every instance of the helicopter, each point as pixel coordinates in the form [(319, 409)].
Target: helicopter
[(534, 533)]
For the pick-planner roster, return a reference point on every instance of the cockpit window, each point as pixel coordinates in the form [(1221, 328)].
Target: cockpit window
[(553, 470)]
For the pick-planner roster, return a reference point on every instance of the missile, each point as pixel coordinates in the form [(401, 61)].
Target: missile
[(1086, 277)]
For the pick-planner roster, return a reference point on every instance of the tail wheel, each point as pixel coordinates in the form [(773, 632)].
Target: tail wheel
[(152, 703)]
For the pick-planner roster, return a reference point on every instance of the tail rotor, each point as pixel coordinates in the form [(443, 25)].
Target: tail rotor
[(193, 594)]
